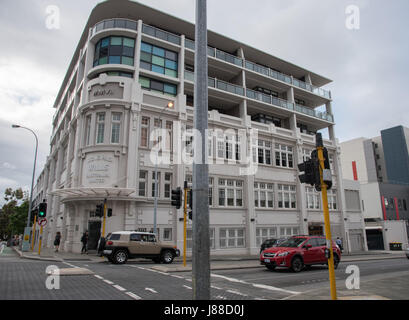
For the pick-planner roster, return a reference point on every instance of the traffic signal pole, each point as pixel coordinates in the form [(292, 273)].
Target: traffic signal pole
[(105, 218), (331, 270), (184, 226), (33, 233)]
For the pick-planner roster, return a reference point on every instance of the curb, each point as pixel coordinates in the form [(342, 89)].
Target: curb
[(23, 256)]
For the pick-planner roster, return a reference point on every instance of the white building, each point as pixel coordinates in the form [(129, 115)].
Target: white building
[(130, 62)]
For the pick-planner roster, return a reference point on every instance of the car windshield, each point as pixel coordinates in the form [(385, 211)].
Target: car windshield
[(292, 242)]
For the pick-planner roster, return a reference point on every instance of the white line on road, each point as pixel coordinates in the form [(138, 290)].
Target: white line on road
[(221, 298), (237, 292), (109, 282), (187, 287), (151, 290), (99, 277), (133, 295), (175, 276), (71, 265), (217, 288), (119, 288), (261, 286)]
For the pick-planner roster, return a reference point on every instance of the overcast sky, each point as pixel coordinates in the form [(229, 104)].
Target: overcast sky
[(368, 66)]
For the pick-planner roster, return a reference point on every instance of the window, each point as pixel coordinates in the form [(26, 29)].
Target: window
[(404, 204), (284, 156), (145, 132), (158, 86), (142, 183), (332, 199), (228, 146), (168, 184), (116, 127), (87, 130), (159, 60), (262, 152), (135, 237), (287, 196), (313, 198), (65, 158), (114, 50), (169, 136), (306, 154), (263, 195), (230, 193), (288, 231), (263, 234), (231, 238), (153, 184), (167, 234), (189, 239), (100, 127)]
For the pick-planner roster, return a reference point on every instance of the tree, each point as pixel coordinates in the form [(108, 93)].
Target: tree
[(13, 215)]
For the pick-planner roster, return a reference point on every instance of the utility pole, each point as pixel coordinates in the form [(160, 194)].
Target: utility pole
[(201, 236)]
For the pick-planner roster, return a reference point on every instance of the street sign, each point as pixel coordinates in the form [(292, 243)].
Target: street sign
[(42, 222)]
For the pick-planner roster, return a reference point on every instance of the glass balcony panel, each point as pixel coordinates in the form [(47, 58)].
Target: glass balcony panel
[(189, 44), (212, 82), (148, 30), (211, 51), (100, 26), (108, 24), (131, 25)]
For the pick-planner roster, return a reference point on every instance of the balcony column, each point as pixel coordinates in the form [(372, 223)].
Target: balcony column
[(331, 131), (308, 79), (181, 70), (137, 54), (293, 117), (88, 66)]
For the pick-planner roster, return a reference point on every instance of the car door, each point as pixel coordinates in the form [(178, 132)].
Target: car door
[(322, 244), (151, 246), (135, 247), (311, 253)]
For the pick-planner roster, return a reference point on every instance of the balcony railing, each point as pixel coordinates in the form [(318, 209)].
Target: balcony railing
[(255, 95), (161, 34), (114, 23)]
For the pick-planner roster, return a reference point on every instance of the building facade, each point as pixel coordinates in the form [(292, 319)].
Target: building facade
[(381, 167), (111, 115)]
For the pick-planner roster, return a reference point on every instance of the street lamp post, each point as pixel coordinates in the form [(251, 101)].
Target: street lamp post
[(155, 209), (34, 169)]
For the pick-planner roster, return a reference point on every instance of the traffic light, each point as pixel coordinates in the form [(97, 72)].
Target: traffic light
[(42, 210), (109, 212), (190, 198), (177, 198), (99, 211), (308, 168)]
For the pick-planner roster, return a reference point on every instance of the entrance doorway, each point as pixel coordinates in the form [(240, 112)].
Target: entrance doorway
[(316, 230), (374, 238), (94, 233)]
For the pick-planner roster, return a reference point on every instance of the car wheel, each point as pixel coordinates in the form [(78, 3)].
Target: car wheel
[(297, 265), (120, 257), (167, 256), (270, 267)]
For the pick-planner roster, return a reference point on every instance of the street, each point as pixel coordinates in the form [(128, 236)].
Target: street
[(26, 279)]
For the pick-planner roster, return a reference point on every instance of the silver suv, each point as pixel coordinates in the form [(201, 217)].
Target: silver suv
[(123, 245)]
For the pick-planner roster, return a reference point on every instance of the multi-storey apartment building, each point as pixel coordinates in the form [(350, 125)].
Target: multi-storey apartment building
[(131, 61)]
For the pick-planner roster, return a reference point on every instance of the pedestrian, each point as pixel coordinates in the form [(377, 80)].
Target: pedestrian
[(339, 244), (84, 240), (57, 241)]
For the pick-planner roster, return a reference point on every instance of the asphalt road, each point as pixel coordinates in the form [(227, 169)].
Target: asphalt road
[(26, 279)]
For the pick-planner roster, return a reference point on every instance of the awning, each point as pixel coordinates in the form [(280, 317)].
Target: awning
[(93, 192), (374, 228)]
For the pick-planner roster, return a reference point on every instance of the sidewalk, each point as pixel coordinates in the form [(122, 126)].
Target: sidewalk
[(216, 263)]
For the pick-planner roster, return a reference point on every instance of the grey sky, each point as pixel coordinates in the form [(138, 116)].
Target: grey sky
[(369, 66)]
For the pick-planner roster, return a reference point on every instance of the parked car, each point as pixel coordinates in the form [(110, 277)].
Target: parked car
[(123, 245), (270, 243), (298, 252)]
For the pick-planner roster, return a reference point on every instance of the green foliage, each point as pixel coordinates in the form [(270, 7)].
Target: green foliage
[(13, 215)]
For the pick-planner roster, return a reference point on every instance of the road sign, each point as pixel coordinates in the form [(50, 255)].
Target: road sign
[(42, 222)]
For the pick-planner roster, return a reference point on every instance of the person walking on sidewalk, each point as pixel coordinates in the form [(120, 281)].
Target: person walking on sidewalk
[(339, 244), (57, 241), (84, 241)]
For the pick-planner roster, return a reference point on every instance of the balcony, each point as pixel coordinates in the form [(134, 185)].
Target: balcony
[(161, 34), (113, 24), (255, 95)]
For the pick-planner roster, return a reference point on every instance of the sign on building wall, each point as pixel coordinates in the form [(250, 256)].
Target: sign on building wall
[(99, 170), (108, 91)]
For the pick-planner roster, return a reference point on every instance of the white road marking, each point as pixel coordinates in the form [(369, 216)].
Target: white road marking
[(175, 276), (221, 298), (217, 288), (71, 265), (99, 277), (261, 286), (151, 290), (119, 288), (109, 282), (147, 269), (133, 295), (237, 292), (187, 287)]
